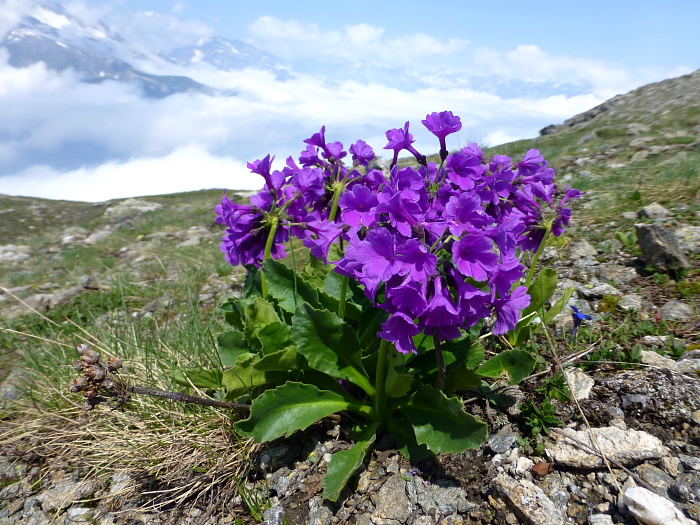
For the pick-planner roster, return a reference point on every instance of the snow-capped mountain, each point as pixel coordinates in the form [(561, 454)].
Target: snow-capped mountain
[(227, 55), (61, 40)]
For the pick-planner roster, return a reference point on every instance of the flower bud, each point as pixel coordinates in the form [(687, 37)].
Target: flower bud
[(77, 365), (96, 373), (90, 357), (81, 348), (77, 384), (114, 364)]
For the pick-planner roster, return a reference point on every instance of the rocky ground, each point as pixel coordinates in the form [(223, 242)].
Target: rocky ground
[(634, 370)]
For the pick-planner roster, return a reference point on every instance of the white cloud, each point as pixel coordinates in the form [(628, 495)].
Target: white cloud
[(188, 168), (530, 63), (291, 39), (188, 141)]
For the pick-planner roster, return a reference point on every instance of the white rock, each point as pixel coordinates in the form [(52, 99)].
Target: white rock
[(651, 358), (579, 383), (653, 509), (530, 501), (625, 446), (600, 519)]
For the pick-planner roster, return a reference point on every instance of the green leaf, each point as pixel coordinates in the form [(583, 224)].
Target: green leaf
[(476, 355), (517, 363), (315, 271), (371, 319), (232, 314), (559, 305), (287, 359), (287, 408), (246, 378), (258, 314), (441, 422), (345, 463), (329, 296), (397, 383), (329, 345), (541, 290), (232, 345), (198, 378), (282, 282), (275, 336), (461, 378), (405, 437)]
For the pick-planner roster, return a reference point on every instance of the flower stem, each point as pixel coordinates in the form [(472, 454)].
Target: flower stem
[(274, 222), (338, 188), (533, 266), (343, 293), (442, 371), (380, 382)]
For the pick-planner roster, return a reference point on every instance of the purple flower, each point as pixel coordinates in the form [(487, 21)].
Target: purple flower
[(358, 206), (361, 153), (465, 213), (400, 139), (442, 124), (408, 297), (474, 256), (441, 311), (418, 263), (403, 214), (326, 234), (508, 310), (373, 260), (400, 329)]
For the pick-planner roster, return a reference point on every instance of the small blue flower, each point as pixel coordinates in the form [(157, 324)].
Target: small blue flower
[(578, 318)]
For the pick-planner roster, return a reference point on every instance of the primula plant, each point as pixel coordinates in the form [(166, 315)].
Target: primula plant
[(406, 270)]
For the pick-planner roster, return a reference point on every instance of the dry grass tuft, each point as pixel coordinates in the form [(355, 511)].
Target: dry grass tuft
[(175, 459)]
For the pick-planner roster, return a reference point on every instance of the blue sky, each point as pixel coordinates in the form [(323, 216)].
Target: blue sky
[(507, 68), (642, 34)]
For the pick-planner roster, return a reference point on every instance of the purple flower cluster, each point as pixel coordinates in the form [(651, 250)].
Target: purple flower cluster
[(437, 247)]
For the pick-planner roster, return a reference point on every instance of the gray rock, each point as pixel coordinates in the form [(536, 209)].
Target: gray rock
[(443, 497), (64, 493), (689, 238), (14, 253), (580, 249), (631, 301), (277, 455), (676, 311), (640, 155), (502, 441), (274, 516), (130, 209), (529, 501), (671, 465), (319, 514), (655, 477), (11, 470), (660, 247), (689, 363), (598, 291), (619, 274), (97, 237), (653, 211), (391, 502), (690, 462), (636, 128), (600, 519), (11, 389), (651, 358), (624, 446)]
